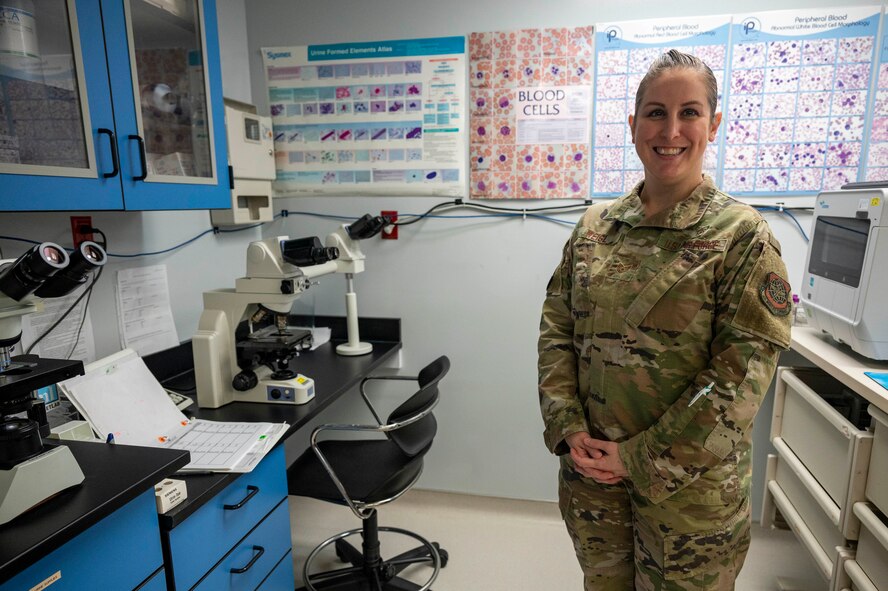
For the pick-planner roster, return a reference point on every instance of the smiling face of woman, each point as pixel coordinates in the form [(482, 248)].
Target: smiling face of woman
[(671, 129)]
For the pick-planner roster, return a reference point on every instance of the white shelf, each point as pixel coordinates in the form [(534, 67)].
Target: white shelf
[(842, 363)]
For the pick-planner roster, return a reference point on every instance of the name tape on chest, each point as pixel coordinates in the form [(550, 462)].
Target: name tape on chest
[(596, 237)]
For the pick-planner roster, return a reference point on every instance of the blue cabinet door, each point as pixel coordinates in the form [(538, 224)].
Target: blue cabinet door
[(134, 121), (53, 104), (119, 552), (166, 87)]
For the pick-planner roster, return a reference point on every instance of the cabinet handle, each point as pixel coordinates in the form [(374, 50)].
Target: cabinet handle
[(142, 160), (259, 551), (253, 490), (115, 160)]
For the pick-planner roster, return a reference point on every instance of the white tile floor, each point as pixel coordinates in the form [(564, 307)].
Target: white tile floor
[(507, 545)]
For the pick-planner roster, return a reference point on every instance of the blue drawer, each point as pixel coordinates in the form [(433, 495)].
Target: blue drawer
[(156, 583), (119, 552), (281, 577), (257, 554), (207, 535)]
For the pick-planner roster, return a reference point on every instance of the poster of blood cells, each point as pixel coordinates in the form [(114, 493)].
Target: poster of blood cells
[(796, 112), (370, 118), (529, 102), (877, 138), (623, 53), (794, 88)]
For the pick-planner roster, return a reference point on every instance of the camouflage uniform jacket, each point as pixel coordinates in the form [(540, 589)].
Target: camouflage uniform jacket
[(640, 315)]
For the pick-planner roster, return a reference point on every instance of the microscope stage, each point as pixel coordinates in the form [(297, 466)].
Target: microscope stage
[(269, 339), (30, 372)]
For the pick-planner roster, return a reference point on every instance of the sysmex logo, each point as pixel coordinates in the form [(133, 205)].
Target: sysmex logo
[(273, 55), (823, 204), (751, 25), (613, 34)]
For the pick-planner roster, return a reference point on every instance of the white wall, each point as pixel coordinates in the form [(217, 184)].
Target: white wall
[(469, 288)]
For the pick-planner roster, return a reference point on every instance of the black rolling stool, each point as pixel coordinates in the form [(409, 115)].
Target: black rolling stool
[(367, 473)]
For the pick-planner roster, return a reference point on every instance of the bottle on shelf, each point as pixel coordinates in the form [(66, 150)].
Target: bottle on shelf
[(799, 318)]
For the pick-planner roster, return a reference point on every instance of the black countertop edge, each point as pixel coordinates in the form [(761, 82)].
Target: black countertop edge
[(332, 381), (114, 476)]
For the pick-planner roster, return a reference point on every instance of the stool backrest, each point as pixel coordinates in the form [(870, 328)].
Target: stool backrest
[(416, 438)]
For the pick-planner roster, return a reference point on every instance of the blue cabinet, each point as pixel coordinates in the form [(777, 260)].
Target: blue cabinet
[(238, 539), (110, 105), (281, 577), (251, 560), (121, 551)]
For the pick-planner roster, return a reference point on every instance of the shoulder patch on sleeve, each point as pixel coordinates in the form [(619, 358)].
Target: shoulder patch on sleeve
[(775, 294), (766, 301)]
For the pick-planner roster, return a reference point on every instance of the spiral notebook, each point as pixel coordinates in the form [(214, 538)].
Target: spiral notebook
[(124, 402)]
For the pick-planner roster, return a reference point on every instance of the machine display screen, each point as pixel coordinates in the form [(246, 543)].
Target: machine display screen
[(838, 247), (251, 129)]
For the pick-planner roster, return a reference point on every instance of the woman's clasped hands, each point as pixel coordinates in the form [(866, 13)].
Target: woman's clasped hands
[(595, 458)]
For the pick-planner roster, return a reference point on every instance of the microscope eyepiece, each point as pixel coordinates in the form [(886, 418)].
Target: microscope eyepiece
[(88, 257), (32, 269), (304, 252), (366, 227)]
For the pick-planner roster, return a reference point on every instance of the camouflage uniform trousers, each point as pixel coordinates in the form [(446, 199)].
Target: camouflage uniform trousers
[(625, 543)]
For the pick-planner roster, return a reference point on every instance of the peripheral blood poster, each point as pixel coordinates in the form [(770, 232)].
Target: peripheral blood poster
[(623, 53), (796, 106), (529, 100), (370, 118), (877, 146)]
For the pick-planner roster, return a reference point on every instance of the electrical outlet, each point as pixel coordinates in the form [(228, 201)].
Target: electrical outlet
[(390, 232), (78, 234)]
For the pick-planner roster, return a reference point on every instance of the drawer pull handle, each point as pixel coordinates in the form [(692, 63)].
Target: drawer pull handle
[(253, 490), (259, 551), (142, 161), (115, 160)]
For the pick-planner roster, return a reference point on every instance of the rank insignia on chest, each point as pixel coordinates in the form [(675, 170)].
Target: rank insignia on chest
[(774, 292)]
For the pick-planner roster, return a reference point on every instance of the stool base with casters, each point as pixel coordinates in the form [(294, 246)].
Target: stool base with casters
[(368, 571)]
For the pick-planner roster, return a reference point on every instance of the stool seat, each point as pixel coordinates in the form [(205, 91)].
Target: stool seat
[(371, 472)]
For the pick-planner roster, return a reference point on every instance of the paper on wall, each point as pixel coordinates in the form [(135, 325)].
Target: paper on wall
[(143, 310)]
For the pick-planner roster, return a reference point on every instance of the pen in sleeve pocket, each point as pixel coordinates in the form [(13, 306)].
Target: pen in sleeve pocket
[(702, 392)]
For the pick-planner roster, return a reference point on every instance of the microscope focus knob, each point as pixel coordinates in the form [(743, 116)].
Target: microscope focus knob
[(245, 380)]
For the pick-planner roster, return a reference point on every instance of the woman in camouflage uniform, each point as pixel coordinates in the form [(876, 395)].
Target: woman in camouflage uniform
[(659, 337)]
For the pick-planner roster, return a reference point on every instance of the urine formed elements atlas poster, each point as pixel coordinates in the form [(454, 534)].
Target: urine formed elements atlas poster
[(372, 118)]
